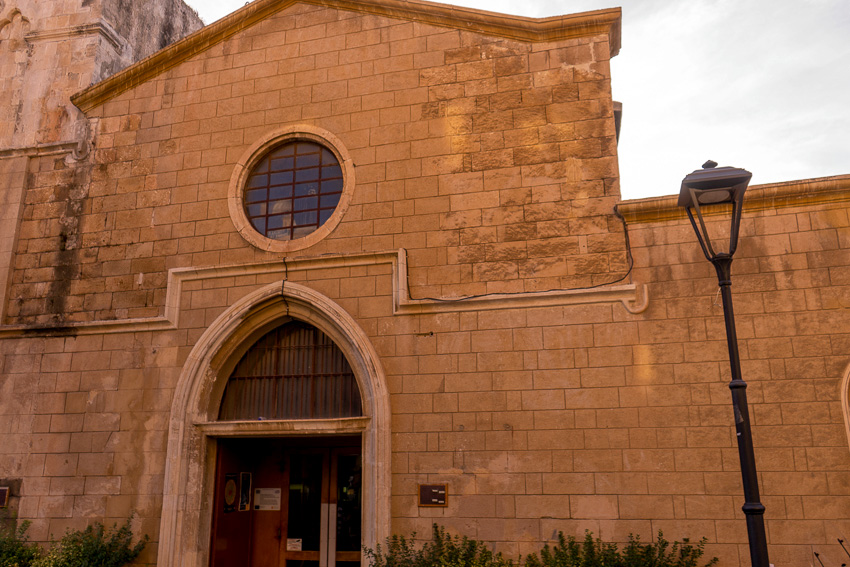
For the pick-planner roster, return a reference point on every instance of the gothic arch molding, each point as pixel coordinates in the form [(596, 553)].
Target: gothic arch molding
[(190, 460), (844, 396), (13, 29)]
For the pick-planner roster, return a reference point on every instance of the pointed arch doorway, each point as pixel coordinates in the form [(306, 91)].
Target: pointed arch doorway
[(210, 441), (289, 501)]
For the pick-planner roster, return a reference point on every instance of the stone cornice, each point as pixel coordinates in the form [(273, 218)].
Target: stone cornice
[(274, 428), (518, 28), (101, 28), (39, 150), (806, 192)]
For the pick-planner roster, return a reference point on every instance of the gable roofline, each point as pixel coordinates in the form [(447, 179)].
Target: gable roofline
[(519, 28)]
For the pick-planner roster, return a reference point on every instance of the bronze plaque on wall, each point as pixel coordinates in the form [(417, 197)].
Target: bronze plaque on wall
[(433, 495), (4, 496)]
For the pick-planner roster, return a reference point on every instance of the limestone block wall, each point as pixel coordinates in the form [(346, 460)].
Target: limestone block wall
[(790, 295), (538, 418), (50, 50), (146, 27), (13, 175), (42, 64), (493, 162)]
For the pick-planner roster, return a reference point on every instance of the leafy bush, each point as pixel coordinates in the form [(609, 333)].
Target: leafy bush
[(15, 550), (443, 550), (569, 553), (447, 551), (95, 546), (597, 553)]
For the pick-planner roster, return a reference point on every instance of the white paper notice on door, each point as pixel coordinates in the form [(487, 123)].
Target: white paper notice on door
[(267, 499), (293, 544)]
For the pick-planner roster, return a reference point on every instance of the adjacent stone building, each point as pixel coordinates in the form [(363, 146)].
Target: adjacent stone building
[(325, 271), (48, 51)]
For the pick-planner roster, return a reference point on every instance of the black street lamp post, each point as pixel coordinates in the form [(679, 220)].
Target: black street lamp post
[(713, 186)]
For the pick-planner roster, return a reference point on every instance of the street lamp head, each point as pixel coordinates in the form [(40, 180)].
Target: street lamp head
[(714, 185), (709, 186)]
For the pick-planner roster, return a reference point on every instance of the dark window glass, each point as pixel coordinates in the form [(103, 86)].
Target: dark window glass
[(256, 195), (257, 210), (305, 219), (304, 189), (306, 203), (281, 178), (330, 200), (293, 190), (279, 193), (282, 164), (259, 180)]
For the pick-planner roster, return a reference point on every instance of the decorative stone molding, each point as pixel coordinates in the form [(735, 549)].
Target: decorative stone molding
[(101, 28), (770, 196), (14, 30), (534, 30), (40, 150), (633, 297), (268, 428), (249, 159), (844, 398), (191, 452)]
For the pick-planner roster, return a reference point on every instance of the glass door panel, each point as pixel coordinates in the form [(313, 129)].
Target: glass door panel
[(306, 531), (347, 484)]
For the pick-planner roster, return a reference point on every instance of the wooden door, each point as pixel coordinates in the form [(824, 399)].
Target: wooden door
[(316, 522), (231, 529)]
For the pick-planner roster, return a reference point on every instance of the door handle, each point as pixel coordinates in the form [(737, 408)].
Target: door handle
[(278, 534)]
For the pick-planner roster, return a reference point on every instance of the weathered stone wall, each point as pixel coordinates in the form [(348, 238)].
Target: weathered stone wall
[(538, 418), (790, 292), (41, 66), (493, 162), (147, 27), (12, 184), (50, 50)]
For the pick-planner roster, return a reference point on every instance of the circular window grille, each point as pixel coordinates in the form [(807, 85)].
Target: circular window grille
[(293, 190)]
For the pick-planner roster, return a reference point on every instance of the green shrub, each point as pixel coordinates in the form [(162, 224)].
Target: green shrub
[(95, 546), (597, 553), (569, 553), (661, 554), (15, 550), (447, 551), (443, 550)]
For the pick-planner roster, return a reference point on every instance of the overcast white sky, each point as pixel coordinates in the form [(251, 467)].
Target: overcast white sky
[(758, 84)]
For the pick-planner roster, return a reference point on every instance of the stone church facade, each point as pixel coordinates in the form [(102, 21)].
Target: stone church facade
[(321, 272)]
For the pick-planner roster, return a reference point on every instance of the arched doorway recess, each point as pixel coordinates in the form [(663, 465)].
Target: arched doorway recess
[(194, 426)]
